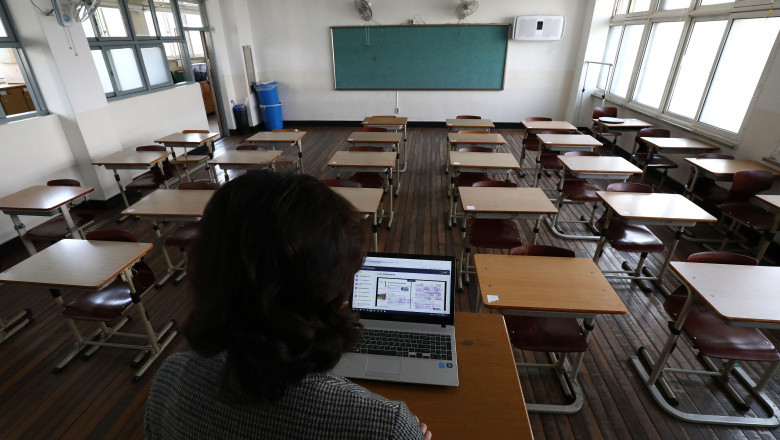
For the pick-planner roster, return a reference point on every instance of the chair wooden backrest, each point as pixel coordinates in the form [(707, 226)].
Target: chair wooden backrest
[(468, 117), (495, 184), (748, 183), (369, 148), (151, 148), (641, 146), (373, 129), (474, 149), (285, 130), (196, 131), (719, 257), (473, 131), (251, 147), (342, 183), (199, 184), (540, 250), (630, 187)]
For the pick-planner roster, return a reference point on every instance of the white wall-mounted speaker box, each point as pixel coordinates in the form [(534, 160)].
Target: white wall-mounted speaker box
[(538, 27)]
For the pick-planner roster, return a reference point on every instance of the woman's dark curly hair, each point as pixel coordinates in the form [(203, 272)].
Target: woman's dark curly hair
[(271, 271)]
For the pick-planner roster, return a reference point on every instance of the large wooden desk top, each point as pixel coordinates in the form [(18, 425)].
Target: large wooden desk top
[(246, 157), (505, 200), (470, 123), (736, 293), (685, 145), (385, 120), (365, 200), (627, 124), (545, 284), (488, 403), (172, 203), (599, 164), (476, 138), (187, 138), (773, 200), (132, 157), (655, 206), (277, 136), (387, 137), (76, 264), (726, 167), (549, 125), (573, 140), (505, 161), (368, 159), (42, 197)]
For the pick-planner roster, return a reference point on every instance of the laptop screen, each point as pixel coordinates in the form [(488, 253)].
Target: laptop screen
[(414, 288)]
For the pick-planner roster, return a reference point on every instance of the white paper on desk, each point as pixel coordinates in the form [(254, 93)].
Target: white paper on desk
[(456, 163), (470, 207), (492, 298)]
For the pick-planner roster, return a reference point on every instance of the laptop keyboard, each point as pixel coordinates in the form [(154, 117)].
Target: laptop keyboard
[(405, 344)]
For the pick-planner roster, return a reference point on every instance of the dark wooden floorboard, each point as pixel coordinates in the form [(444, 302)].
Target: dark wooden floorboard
[(97, 399)]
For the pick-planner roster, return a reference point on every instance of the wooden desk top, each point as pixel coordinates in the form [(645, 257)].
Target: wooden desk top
[(132, 157), (487, 404), (277, 136), (246, 157), (365, 200), (772, 200), (187, 138), (483, 160), (385, 120), (76, 264), (505, 200), (476, 138), (599, 164), (726, 167), (387, 137), (629, 124), (470, 123), (574, 140), (549, 284), (736, 293), (367, 159), (671, 144), (549, 125), (172, 203), (655, 206), (43, 197)]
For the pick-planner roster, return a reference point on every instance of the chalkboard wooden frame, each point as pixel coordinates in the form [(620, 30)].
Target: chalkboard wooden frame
[(420, 57)]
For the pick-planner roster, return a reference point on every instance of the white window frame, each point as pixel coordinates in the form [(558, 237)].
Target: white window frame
[(12, 42)]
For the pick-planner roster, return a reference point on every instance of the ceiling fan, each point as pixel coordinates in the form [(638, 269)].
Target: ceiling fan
[(70, 11)]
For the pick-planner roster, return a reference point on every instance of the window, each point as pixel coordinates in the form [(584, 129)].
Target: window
[(19, 95), (699, 70)]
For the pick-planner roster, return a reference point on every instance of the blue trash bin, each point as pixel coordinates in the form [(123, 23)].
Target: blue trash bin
[(272, 116), (266, 93)]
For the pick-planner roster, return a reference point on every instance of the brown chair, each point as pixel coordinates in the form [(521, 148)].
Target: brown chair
[(195, 157), (654, 161), (185, 235), (712, 336), (468, 117), (576, 190), (547, 160), (705, 189), (196, 131), (373, 129), (152, 179), (288, 159), (597, 130), (742, 212), (57, 228), (465, 179), (251, 147), (341, 183), (371, 148)]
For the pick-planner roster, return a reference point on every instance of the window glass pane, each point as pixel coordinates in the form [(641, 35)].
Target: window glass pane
[(173, 53), (632, 36), (664, 5), (657, 62), (195, 45), (639, 5), (100, 63), (89, 31), (740, 66), (156, 65), (165, 18), (14, 94), (125, 68), (3, 33), (715, 2), (190, 14), (109, 19), (141, 17), (695, 67), (610, 50)]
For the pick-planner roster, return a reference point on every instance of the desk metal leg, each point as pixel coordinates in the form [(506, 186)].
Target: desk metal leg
[(389, 177), (74, 231), (20, 229), (375, 231), (10, 326), (122, 193), (166, 257), (300, 158)]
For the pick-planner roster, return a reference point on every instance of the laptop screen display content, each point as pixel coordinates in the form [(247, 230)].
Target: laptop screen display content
[(409, 286)]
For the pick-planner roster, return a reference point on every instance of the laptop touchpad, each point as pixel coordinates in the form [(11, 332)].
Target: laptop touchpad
[(387, 367)]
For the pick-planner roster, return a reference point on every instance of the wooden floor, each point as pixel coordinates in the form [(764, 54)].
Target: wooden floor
[(97, 399)]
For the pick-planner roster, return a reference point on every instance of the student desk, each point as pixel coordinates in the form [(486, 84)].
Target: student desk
[(192, 141), (45, 201), (592, 168), (542, 286), (675, 146), (390, 140), (486, 139), (772, 202), (470, 162), (627, 125), (392, 124), (469, 124), (366, 201), (672, 210), (91, 265), (132, 160), (741, 295), (562, 143), (488, 403), (281, 139), (539, 126), (365, 161), (245, 160), (723, 169), (170, 205)]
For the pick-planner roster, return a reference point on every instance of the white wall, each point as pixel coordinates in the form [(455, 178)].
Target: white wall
[(291, 41)]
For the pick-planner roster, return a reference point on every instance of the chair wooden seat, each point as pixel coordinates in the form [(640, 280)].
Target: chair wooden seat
[(370, 148), (57, 228), (368, 179), (494, 233), (184, 159), (709, 192), (183, 235), (469, 179), (534, 333), (655, 161), (631, 238), (251, 147), (549, 161), (103, 305), (750, 215), (343, 183), (580, 190)]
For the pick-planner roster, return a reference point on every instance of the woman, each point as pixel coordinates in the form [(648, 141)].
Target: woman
[(271, 273)]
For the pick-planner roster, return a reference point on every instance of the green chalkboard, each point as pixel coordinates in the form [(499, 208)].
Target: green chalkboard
[(441, 57)]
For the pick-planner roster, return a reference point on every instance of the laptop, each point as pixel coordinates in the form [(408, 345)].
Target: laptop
[(406, 308)]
